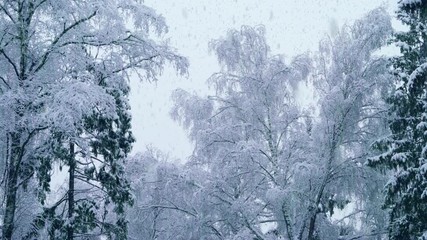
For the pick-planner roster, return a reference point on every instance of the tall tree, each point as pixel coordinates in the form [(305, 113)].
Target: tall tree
[(249, 135), (63, 85), (269, 162), (404, 151), (350, 81)]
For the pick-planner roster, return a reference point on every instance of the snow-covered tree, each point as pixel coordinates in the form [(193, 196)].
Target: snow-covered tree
[(95, 174), (170, 199), (64, 68), (349, 81), (404, 151), (249, 135), (271, 165)]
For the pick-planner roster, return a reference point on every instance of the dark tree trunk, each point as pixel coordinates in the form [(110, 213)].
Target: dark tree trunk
[(16, 149), (11, 186), (287, 219), (311, 227), (314, 210), (72, 164)]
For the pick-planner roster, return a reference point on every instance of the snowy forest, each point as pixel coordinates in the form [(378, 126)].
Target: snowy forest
[(327, 144)]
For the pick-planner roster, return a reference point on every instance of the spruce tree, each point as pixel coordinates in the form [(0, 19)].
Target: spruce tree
[(404, 151)]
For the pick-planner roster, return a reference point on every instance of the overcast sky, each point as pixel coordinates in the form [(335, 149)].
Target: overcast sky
[(293, 27)]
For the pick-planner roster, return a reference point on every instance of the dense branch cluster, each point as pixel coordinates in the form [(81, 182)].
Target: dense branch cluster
[(266, 164), (65, 68)]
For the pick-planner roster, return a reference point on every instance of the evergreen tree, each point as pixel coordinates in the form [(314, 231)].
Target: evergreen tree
[(404, 151), (95, 173), (64, 76)]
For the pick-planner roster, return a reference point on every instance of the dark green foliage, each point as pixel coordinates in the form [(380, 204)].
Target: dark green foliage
[(101, 166), (113, 143), (405, 150)]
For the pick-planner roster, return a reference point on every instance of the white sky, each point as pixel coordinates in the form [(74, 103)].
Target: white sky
[(293, 27)]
